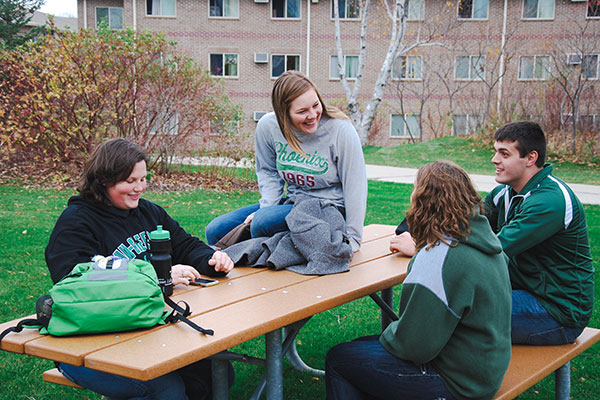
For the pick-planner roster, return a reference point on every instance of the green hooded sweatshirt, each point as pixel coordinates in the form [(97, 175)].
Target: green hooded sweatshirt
[(455, 311)]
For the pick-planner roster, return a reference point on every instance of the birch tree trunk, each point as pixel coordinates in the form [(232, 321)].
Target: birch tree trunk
[(362, 120)]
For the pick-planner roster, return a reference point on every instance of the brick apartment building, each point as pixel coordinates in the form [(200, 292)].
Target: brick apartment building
[(450, 86)]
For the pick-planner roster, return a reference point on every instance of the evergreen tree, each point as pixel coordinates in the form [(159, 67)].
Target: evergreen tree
[(14, 16)]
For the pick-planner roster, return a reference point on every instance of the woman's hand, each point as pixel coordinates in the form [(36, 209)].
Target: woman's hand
[(183, 274), (221, 262), (403, 244), (249, 218)]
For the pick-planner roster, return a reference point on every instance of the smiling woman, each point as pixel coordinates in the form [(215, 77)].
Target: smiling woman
[(110, 218), (304, 149)]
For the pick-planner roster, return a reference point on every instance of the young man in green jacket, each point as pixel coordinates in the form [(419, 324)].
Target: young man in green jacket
[(541, 225)]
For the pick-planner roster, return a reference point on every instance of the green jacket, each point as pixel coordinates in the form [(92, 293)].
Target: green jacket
[(544, 233), (455, 313)]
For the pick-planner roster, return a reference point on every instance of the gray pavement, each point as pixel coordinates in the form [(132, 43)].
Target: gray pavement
[(588, 194)]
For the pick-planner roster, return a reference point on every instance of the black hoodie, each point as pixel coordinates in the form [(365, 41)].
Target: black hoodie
[(86, 229)]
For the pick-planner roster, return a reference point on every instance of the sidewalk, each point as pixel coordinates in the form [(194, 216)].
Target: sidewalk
[(588, 194)]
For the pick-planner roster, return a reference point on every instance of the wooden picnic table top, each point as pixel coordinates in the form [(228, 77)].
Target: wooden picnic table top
[(249, 302)]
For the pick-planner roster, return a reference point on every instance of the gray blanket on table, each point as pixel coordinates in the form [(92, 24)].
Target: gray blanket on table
[(316, 243)]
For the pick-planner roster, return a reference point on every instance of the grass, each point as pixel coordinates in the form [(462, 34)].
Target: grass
[(28, 217), (471, 155)]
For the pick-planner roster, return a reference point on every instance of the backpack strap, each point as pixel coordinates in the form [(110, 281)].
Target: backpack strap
[(180, 314), (43, 308), (34, 323)]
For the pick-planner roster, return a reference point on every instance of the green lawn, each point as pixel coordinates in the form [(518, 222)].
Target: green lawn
[(470, 155), (27, 217)]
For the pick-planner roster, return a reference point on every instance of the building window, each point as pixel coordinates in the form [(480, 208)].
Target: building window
[(162, 8), (465, 124), (469, 68), (589, 66), (408, 68), (593, 8), (589, 122), (473, 9), (219, 126), (286, 8), (416, 10), (350, 67), (112, 17), (405, 126), (225, 65), (538, 9), (284, 62), (347, 9), (224, 8), (165, 122), (534, 68)]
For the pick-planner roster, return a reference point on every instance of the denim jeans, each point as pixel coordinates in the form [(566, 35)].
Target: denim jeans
[(266, 222), (191, 382), (363, 369), (532, 324)]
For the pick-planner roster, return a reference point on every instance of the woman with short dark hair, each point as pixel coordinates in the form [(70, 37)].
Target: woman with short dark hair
[(110, 218)]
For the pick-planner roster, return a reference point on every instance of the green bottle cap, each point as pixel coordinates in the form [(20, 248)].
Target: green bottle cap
[(159, 234)]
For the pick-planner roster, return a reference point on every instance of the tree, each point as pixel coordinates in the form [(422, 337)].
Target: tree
[(574, 69), (396, 12), (69, 91), (14, 16)]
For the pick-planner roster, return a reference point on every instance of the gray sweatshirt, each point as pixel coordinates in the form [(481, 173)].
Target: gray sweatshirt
[(334, 170)]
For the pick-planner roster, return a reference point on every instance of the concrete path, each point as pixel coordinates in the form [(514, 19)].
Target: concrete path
[(588, 194)]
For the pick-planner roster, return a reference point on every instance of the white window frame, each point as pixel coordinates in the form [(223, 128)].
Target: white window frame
[(405, 126), (237, 16), (472, 18), (345, 17), (273, 17), (469, 123), (588, 8), (472, 72), (286, 55), (408, 58), (410, 16), (160, 8), (534, 58), (333, 63), (110, 8), (537, 17), (223, 62)]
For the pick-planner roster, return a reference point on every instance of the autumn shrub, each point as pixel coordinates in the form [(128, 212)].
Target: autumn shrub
[(61, 96)]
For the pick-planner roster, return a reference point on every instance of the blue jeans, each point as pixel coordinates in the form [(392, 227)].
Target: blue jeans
[(266, 222), (532, 324), (363, 369), (191, 382)]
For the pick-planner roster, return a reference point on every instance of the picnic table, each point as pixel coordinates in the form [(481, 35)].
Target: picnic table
[(248, 303)]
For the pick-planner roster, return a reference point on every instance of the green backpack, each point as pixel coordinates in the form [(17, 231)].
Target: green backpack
[(105, 296)]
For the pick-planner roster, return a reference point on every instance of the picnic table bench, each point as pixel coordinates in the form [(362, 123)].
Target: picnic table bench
[(251, 302)]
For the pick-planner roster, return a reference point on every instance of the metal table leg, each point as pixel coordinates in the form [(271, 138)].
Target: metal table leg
[(388, 297), (220, 379), (562, 382), (274, 355)]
